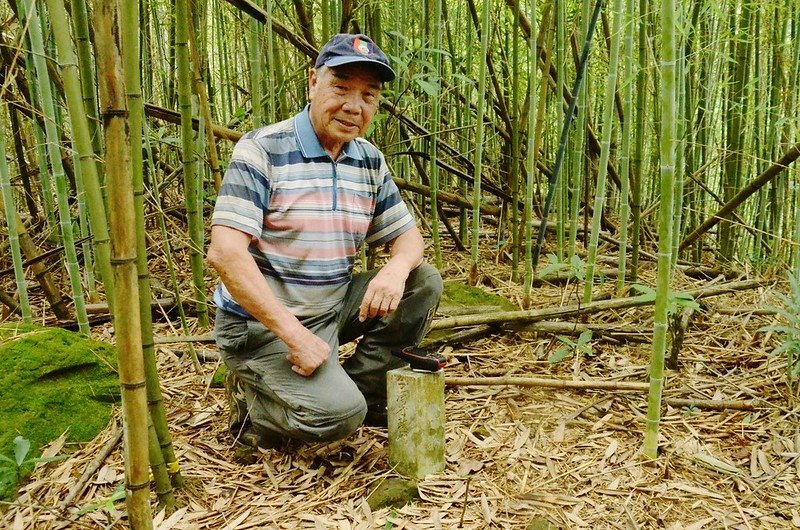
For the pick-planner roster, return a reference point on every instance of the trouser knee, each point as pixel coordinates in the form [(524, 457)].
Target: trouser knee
[(324, 422)]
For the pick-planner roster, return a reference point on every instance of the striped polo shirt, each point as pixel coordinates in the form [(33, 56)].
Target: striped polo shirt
[(307, 214)]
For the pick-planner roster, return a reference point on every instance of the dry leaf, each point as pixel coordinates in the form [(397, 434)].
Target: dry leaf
[(716, 463)]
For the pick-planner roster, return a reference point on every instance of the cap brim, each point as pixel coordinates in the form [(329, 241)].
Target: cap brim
[(385, 72)]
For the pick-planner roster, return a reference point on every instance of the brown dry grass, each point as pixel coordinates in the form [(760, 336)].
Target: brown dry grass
[(514, 456)]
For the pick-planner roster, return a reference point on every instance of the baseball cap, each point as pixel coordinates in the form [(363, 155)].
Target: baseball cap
[(347, 48)]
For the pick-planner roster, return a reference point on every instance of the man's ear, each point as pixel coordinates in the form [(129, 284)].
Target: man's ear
[(312, 82)]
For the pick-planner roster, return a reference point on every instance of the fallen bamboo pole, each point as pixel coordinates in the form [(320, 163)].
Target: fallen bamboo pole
[(624, 386), (535, 315), (619, 386)]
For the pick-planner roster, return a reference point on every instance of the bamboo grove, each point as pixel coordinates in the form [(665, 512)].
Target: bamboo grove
[(655, 131)]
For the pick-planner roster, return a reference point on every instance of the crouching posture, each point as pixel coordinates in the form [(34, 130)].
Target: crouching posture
[(298, 199)]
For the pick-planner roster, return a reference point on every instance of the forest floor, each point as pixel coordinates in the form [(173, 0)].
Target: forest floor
[(517, 458)]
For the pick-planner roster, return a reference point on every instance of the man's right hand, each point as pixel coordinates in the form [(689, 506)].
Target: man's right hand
[(307, 352)]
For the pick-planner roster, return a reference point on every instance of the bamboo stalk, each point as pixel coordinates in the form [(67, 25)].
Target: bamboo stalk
[(533, 104), (192, 188), (665, 228), (169, 472), (620, 386), (478, 158), (434, 144), (114, 112), (82, 139), (625, 148), (541, 382), (12, 217), (745, 193), (534, 315), (605, 148), (565, 132), (54, 153)]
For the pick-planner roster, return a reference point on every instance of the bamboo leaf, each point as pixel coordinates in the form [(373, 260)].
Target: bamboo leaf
[(716, 463), (21, 448), (559, 355), (429, 88)]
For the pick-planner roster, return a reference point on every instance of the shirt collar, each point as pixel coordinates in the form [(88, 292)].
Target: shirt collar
[(309, 143)]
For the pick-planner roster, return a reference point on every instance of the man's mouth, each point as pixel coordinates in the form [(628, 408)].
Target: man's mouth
[(347, 124)]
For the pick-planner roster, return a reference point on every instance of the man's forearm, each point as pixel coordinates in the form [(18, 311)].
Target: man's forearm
[(407, 250)]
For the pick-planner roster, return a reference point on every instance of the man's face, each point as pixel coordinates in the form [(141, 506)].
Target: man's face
[(344, 100)]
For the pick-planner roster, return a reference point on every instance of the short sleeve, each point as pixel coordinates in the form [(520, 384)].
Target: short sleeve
[(243, 198), (391, 217)]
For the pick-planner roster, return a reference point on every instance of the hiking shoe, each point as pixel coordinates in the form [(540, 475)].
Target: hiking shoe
[(237, 404)]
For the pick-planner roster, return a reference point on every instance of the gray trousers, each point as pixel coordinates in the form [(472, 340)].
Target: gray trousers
[(332, 402)]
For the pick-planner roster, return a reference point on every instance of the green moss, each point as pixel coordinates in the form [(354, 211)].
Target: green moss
[(218, 381), (395, 492), (53, 381), (459, 294)]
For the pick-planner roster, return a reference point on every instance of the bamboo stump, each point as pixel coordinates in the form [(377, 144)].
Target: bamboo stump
[(416, 421)]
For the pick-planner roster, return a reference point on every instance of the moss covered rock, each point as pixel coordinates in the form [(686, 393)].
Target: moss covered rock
[(458, 294), (53, 381)]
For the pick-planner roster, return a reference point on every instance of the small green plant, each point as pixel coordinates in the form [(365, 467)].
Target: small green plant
[(789, 330), (676, 300), (108, 504), (569, 347), (13, 470), (575, 267)]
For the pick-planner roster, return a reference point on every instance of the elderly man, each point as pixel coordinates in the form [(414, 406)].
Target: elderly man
[(298, 200)]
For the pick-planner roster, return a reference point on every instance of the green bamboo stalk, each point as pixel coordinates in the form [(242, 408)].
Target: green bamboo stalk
[(29, 250), (637, 171), (164, 493), (478, 158), (114, 112), (90, 281), (54, 153), (205, 110), (562, 143), (83, 145), (665, 232), (46, 184), (272, 67), (533, 104), (176, 292), (735, 122), (192, 188), (560, 19), (605, 147), (254, 60), (170, 469), (515, 143), (625, 147), (11, 215), (680, 130), (325, 15), (433, 141), (83, 46), (464, 147), (578, 156)]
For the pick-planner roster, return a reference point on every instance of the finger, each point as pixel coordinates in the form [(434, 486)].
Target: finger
[(385, 306), (366, 306), (393, 305)]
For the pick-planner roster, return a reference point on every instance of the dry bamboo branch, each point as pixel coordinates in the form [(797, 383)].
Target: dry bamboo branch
[(91, 469), (534, 315), (625, 386), (620, 386), (771, 172)]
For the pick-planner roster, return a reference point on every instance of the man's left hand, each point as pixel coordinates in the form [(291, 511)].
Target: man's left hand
[(384, 292)]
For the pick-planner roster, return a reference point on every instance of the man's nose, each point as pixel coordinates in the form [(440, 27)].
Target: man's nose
[(352, 103)]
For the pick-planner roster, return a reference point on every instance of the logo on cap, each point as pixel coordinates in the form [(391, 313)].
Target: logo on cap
[(361, 47)]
